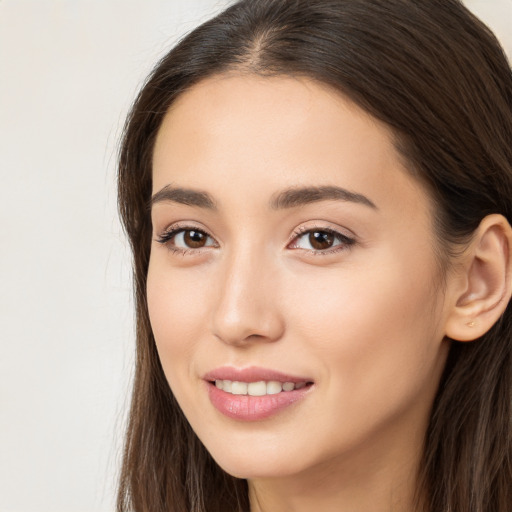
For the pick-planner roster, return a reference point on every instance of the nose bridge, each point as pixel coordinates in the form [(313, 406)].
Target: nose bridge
[(246, 309)]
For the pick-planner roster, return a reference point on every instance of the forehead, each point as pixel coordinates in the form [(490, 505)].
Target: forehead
[(230, 132), (270, 112)]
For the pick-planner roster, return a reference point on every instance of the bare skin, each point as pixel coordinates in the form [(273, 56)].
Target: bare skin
[(344, 289)]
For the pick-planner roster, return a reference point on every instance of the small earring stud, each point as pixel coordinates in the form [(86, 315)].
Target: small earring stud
[(471, 324)]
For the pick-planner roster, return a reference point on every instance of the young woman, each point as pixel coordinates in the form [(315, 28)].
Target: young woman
[(318, 196)]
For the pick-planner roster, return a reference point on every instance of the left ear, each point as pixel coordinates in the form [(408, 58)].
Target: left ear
[(485, 287)]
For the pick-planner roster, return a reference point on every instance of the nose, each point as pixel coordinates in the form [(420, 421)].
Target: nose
[(247, 310)]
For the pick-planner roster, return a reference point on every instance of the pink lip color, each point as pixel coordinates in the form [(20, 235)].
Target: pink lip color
[(252, 408)]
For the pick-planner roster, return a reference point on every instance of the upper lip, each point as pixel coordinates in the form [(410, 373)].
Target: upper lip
[(252, 374)]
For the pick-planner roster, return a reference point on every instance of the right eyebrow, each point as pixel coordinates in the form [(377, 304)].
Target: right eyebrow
[(183, 196)]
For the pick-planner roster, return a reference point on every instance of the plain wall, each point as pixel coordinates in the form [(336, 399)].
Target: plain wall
[(69, 70)]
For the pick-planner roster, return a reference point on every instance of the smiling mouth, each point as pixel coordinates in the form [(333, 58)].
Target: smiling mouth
[(259, 388), (254, 394)]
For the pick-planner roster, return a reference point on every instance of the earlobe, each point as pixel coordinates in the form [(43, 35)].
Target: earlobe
[(487, 281)]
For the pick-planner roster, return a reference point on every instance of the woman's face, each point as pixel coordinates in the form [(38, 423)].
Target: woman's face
[(293, 257)]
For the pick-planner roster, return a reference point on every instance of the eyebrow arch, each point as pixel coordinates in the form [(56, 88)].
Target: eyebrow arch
[(183, 196), (294, 197)]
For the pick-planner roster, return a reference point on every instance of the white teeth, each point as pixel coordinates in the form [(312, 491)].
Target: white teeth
[(288, 386), (257, 388), (239, 388), (274, 387), (260, 388)]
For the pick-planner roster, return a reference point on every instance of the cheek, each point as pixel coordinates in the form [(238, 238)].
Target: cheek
[(176, 317), (375, 332), (358, 300)]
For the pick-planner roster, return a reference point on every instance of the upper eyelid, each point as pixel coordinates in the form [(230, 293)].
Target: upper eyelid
[(302, 229), (185, 226), (167, 234), (347, 240)]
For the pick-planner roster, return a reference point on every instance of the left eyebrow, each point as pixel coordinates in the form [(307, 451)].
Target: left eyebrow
[(294, 197)]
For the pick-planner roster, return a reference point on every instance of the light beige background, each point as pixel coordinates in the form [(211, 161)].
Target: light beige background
[(69, 70)]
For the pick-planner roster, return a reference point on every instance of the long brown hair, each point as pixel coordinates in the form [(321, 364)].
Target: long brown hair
[(438, 77)]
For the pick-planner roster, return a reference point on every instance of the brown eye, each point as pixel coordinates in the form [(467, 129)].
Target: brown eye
[(194, 239), (321, 240), (182, 239)]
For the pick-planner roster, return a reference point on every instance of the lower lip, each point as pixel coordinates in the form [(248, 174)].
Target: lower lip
[(253, 408)]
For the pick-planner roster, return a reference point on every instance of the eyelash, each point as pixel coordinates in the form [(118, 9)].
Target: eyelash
[(345, 242), (166, 237)]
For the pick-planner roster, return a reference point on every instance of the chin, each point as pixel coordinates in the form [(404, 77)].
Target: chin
[(257, 464), (249, 471)]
